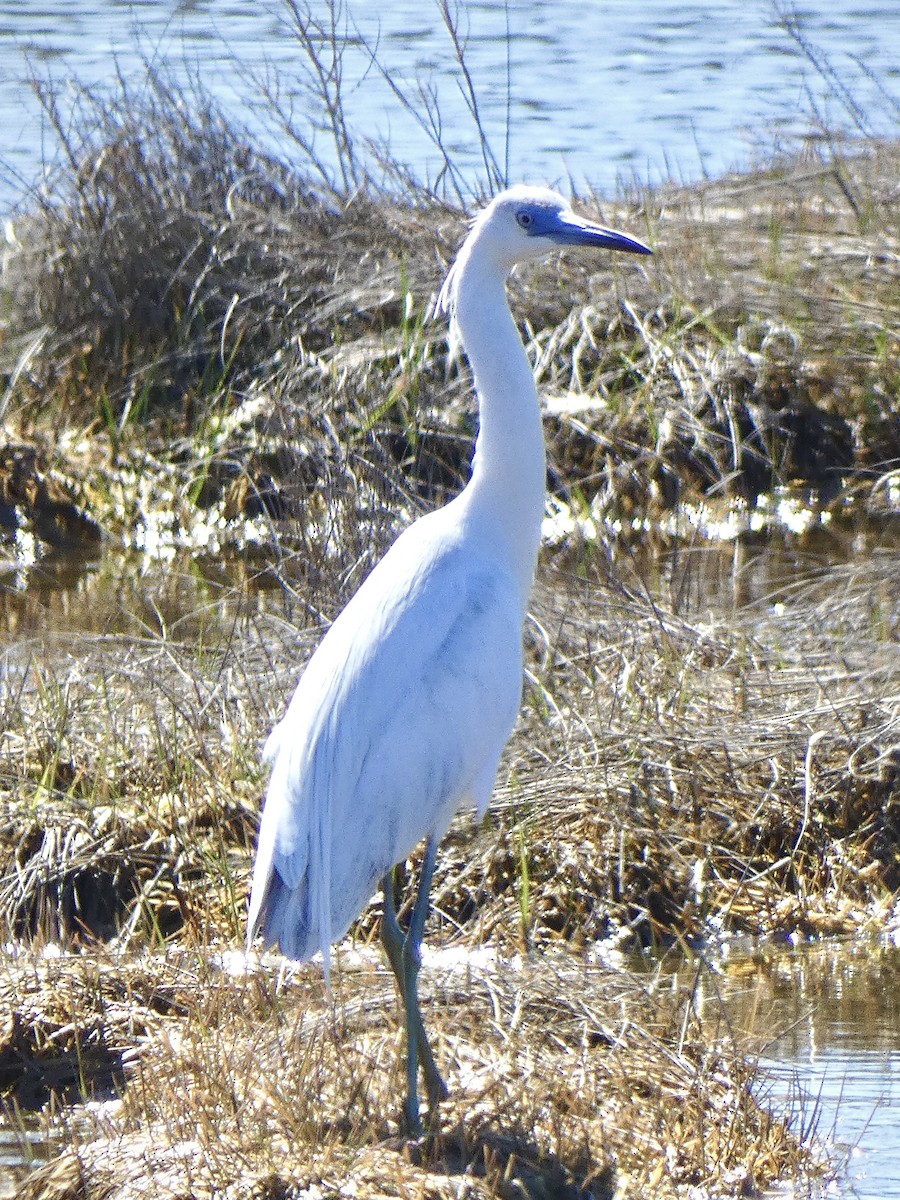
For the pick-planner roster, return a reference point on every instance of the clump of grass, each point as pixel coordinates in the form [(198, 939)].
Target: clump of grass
[(170, 259), (206, 310), (126, 792), (72, 1021), (203, 307), (272, 1085)]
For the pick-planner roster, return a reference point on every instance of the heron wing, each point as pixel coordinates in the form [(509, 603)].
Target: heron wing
[(398, 720)]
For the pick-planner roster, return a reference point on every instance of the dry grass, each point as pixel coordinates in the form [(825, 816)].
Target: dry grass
[(567, 1081), (670, 783), (697, 777), (221, 339), (202, 347)]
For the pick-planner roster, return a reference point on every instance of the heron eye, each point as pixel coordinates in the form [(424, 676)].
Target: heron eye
[(525, 220)]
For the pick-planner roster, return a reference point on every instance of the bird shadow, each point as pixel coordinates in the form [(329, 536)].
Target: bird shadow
[(511, 1164)]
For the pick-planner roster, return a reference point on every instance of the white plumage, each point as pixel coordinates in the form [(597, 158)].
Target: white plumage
[(399, 718), (402, 713)]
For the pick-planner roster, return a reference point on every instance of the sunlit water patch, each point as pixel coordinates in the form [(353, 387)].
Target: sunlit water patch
[(782, 511), (595, 93), (700, 561), (827, 1019)]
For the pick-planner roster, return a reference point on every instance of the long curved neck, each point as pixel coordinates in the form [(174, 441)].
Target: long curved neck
[(507, 487)]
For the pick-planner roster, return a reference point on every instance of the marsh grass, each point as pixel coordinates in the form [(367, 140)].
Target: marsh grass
[(671, 785), (733, 775), (207, 345), (567, 1081), (179, 301)]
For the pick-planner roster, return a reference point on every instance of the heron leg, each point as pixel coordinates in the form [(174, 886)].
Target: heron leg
[(434, 1084), (393, 939), (404, 952)]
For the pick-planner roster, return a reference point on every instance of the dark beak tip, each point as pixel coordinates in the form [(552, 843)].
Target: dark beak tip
[(636, 247)]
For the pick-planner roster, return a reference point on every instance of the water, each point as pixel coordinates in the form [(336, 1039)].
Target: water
[(829, 1017), (593, 91), (23, 1144)]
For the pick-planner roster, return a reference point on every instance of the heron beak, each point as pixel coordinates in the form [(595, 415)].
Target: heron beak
[(571, 230)]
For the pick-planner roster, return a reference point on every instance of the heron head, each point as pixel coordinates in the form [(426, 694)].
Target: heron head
[(524, 223)]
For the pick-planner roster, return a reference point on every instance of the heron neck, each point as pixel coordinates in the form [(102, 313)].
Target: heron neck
[(507, 488)]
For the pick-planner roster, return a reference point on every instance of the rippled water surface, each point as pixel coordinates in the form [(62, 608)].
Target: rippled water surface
[(591, 91), (829, 1021)]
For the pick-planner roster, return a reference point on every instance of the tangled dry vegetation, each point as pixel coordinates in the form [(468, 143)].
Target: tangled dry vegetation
[(202, 348), (698, 777), (697, 780), (195, 334), (568, 1081)]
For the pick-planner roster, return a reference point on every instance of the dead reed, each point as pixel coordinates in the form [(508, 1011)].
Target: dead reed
[(193, 324)]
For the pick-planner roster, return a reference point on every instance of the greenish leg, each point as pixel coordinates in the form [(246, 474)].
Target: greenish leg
[(404, 952)]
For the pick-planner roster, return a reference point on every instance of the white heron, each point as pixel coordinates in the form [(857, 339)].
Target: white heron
[(401, 714)]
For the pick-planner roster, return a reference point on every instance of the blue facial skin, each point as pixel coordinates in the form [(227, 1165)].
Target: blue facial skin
[(568, 229)]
